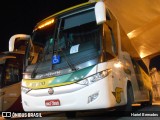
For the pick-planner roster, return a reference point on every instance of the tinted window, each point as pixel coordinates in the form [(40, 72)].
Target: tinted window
[(80, 19), (12, 72), (143, 66)]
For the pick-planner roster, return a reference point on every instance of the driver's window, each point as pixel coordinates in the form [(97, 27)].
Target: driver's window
[(109, 42)]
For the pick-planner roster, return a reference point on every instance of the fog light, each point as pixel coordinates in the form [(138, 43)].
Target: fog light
[(92, 97)]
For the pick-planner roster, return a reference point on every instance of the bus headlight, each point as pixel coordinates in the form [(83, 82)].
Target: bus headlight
[(96, 77), (25, 90)]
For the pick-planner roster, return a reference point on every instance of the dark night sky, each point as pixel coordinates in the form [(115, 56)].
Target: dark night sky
[(20, 16)]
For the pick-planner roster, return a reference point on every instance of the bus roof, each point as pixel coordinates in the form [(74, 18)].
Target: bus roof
[(65, 10)]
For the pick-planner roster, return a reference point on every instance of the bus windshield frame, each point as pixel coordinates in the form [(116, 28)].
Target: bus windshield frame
[(58, 43)]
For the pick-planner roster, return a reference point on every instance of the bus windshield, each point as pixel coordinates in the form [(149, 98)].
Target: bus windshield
[(77, 40)]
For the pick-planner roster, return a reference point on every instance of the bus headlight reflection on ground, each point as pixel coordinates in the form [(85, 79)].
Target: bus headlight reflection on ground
[(94, 78)]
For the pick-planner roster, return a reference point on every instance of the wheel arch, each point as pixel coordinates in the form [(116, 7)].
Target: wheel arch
[(129, 84)]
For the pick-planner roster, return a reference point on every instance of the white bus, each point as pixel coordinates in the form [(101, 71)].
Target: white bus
[(75, 61)]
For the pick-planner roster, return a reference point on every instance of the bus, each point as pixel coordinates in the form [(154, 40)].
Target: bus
[(75, 60), (10, 77), (11, 68)]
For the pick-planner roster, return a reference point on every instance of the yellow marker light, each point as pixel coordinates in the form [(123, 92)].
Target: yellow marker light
[(46, 23)]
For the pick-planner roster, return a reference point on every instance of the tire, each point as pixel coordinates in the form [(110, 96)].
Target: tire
[(148, 103), (130, 99)]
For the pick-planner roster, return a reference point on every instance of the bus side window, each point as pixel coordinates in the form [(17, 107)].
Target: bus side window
[(109, 42), (114, 46), (138, 74), (12, 73), (143, 66)]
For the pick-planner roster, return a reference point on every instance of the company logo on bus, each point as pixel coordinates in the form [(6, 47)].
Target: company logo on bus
[(50, 91)]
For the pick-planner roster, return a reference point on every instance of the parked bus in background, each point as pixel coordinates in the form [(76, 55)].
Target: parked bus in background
[(11, 67), (79, 63)]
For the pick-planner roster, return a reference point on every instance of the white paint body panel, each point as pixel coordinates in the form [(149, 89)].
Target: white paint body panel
[(77, 100)]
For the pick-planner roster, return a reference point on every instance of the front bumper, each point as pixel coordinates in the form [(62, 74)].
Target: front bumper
[(69, 101)]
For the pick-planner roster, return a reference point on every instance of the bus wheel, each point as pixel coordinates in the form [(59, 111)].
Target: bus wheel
[(70, 114), (148, 103), (128, 106)]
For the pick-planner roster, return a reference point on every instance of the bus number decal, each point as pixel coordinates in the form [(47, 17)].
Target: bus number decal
[(38, 84)]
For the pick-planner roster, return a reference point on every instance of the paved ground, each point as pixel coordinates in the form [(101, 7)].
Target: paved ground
[(138, 113)]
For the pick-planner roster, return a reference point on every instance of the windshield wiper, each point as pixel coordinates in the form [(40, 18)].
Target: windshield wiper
[(33, 74), (68, 61)]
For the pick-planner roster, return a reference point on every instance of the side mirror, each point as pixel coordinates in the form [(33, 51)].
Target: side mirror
[(100, 12), (15, 37)]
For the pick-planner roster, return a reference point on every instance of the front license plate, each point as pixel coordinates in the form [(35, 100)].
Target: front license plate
[(52, 102)]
